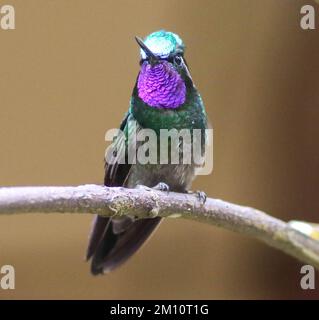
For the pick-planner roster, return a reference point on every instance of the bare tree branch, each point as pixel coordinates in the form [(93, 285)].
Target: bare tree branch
[(146, 203)]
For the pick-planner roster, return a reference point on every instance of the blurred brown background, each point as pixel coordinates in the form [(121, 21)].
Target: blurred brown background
[(66, 75)]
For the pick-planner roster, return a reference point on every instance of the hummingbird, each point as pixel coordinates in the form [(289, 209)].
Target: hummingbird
[(164, 97)]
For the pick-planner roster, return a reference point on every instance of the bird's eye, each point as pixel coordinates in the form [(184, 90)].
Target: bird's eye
[(178, 60)]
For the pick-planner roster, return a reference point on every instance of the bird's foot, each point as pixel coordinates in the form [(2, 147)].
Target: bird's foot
[(159, 187), (200, 195), (162, 187)]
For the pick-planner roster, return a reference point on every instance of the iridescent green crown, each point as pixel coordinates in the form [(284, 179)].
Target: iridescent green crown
[(163, 43)]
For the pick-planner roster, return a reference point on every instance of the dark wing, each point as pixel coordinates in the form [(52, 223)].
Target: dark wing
[(114, 240), (100, 223)]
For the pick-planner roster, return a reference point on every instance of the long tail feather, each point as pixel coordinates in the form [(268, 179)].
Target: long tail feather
[(112, 242)]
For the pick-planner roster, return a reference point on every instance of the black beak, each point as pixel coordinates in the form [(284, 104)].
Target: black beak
[(151, 56)]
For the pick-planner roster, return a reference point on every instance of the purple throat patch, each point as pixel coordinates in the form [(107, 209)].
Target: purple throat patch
[(161, 86)]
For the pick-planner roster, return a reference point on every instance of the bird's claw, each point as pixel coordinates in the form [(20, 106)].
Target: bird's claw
[(162, 187), (201, 196)]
